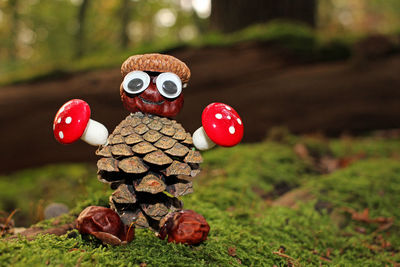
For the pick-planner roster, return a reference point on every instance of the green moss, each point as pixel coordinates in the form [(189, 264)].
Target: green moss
[(332, 50), (243, 223), (372, 184), (264, 165), (366, 146), (37, 188), (316, 147), (299, 40)]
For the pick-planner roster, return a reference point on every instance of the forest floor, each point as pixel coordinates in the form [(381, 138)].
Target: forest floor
[(287, 201), (265, 83)]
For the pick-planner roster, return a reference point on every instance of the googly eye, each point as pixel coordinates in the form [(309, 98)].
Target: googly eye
[(169, 85), (136, 82)]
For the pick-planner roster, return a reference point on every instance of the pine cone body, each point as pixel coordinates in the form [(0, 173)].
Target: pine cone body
[(149, 161)]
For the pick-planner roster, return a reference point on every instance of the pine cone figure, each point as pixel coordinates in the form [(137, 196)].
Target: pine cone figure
[(149, 161)]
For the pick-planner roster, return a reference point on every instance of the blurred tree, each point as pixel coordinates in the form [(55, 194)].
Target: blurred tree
[(13, 6), (125, 12), (80, 34), (359, 16), (232, 15), (53, 32)]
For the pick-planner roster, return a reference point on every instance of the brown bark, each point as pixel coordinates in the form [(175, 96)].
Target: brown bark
[(80, 34), (14, 25), (232, 15), (125, 19)]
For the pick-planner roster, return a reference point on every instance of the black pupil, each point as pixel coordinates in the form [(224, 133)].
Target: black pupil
[(135, 84), (169, 87)]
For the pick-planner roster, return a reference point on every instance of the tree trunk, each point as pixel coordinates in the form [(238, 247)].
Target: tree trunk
[(125, 18), (14, 28), (80, 34), (232, 15)]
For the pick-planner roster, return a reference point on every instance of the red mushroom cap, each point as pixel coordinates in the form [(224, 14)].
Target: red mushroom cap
[(222, 124), (70, 121)]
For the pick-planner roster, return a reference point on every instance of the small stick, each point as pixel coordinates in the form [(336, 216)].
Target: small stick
[(294, 261), (32, 232), (7, 221)]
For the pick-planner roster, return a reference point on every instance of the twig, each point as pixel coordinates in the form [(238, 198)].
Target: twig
[(129, 230), (293, 261), (7, 221), (32, 232)]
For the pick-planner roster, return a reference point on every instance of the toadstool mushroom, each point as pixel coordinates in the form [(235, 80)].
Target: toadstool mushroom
[(72, 122), (222, 125)]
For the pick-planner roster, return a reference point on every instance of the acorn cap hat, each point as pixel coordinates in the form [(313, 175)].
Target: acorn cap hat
[(157, 63)]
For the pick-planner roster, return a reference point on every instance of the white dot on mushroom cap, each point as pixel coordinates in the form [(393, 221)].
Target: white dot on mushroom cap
[(59, 120), (239, 121), (61, 134), (228, 107), (218, 116), (68, 120), (229, 117), (232, 130), (61, 109)]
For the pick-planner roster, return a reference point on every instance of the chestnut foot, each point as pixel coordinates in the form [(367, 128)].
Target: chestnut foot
[(104, 224), (185, 226)]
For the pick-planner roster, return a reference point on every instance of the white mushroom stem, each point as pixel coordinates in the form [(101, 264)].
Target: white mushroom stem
[(95, 133), (201, 141)]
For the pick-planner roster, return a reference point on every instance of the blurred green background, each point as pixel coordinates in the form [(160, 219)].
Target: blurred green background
[(38, 36)]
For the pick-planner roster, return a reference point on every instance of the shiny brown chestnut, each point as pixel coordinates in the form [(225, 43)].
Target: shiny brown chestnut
[(105, 224), (186, 227)]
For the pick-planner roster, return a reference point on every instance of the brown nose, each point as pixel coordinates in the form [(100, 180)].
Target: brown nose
[(151, 93)]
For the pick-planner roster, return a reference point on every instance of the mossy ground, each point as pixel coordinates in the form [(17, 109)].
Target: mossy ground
[(237, 193)]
